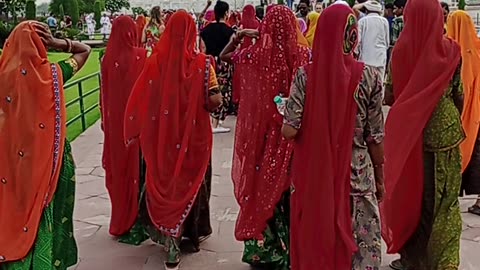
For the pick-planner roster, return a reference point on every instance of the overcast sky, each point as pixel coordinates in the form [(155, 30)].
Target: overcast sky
[(42, 1)]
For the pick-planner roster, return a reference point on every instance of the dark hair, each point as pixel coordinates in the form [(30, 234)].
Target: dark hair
[(221, 8), (445, 6), (400, 3), (389, 6), (306, 2), (260, 12), (156, 14)]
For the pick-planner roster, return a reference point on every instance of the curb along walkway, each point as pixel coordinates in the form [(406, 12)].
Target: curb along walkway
[(99, 251)]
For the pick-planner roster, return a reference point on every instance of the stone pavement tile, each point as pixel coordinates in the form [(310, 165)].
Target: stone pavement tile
[(472, 234), (98, 171), (91, 207), (81, 179), (470, 259), (471, 220), (226, 242), (112, 263), (92, 188), (466, 202), (84, 171), (84, 231)]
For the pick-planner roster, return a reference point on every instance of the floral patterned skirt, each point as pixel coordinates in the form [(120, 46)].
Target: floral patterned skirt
[(274, 250)]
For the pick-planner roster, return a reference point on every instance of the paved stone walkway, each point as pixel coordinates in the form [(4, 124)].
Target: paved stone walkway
[(99, 251)]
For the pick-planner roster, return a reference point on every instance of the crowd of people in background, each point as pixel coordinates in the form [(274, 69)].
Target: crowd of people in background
[(321, 177)]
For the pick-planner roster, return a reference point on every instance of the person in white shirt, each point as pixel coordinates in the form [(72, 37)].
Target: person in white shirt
[(91, 24), (106, 26), (374, 37)]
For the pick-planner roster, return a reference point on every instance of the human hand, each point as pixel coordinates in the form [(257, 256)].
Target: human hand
[(251, 33), (45, 34), (380, 191)]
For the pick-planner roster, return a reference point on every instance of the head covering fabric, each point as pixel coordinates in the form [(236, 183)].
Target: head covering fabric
[(302, 24), (32, 137), (249, 21), (373, 6), (321, 222), (460, 27), (261, 155), (140, 24), (166, 112), (423, 63), (312, 27), (121, 66)]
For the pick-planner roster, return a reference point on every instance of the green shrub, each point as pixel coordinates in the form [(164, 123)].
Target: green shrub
[(31, 10), (461, 4), (5, 30), (71, 33)]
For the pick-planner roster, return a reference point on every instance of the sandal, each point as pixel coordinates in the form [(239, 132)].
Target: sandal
[(475, 209), (397, 265)]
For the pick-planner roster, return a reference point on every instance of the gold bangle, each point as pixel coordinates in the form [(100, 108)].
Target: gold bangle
[(69, 45)]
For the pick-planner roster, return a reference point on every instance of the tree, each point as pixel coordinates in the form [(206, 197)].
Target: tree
[(138, 11), (61, 11), (15, 8), (461, 4), (43, 9), (97, 12), (74, 13), (116, 5), (30, 10)]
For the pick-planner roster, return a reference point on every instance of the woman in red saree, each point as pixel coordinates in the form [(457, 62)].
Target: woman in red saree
[(121, 66), (334, 113), (167, 113), (261, 155), (421, 214), (140, 22), (37, 172), (249, 21)]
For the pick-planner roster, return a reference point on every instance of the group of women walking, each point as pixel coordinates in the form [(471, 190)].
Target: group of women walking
[(308, 176)]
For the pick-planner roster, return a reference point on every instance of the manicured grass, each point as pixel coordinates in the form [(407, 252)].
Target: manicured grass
[(71, 92)]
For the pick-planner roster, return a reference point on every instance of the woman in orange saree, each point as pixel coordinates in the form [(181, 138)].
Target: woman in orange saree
[(460, 27), (37, 187)]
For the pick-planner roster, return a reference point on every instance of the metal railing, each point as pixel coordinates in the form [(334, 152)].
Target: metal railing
[(80, 99)]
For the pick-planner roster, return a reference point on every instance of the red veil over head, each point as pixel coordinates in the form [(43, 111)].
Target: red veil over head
[(121, 66), (140, 23), (321, 221), (249, 21), (423, 63), (166, 111), (261, 155)]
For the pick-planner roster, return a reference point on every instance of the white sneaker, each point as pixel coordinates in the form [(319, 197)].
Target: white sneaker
[(221, 129)]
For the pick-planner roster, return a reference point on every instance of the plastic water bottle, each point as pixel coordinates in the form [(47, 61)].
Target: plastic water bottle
[(281, 103)]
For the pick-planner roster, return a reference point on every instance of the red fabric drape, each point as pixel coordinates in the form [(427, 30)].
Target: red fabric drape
[(32, 138), (321, 221), (121, 67), (249, 21), (423, 63), (166, 112), (140, 24), (261, 155)]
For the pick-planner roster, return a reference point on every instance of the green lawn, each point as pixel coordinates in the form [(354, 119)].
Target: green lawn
[(71, 92)]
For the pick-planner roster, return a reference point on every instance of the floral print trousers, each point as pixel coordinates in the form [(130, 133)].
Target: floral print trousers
[(367, 232)]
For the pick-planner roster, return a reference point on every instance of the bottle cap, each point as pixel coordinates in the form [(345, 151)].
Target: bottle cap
[(278, 99)]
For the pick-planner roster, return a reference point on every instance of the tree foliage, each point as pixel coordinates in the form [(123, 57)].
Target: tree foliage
[(138, 11), (116, 5), (15, 8), (462, 4), (74, 13), (31, 10), (61, 11), (97, 12)]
